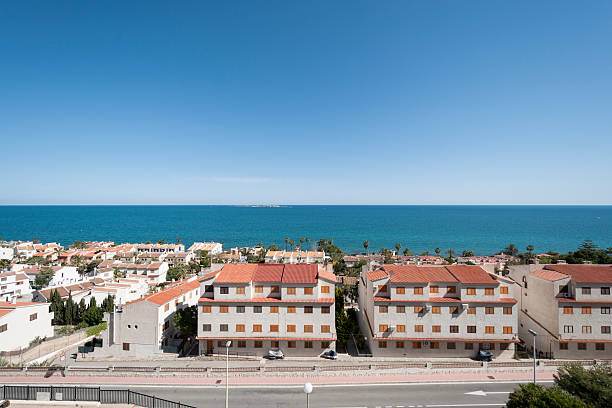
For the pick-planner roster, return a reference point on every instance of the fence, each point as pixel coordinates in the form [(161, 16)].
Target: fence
[(53, 393), (41, 349)]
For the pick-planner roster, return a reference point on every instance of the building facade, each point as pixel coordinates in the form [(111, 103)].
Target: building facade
[(20, 323)]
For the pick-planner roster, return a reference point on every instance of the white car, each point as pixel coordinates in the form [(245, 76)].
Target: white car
[(275, 354)]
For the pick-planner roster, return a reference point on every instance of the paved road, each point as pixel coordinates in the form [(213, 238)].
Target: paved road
[(441, 395)]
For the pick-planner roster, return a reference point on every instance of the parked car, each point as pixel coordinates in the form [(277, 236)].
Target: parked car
[(275, 354), (484, 355), (330, 355)]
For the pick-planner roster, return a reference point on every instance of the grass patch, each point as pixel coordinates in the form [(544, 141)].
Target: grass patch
[(96, 330)]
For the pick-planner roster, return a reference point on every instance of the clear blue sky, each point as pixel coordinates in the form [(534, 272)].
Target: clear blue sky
[(322, 102)]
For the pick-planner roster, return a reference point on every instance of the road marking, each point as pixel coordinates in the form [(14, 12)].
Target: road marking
[(485, 393)]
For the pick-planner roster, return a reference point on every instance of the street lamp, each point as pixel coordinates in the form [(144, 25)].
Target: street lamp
[(534, 334), (227, 346), (307, 390)]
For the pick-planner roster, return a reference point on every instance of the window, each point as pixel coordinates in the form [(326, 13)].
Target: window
[(605, 291), (308, 291), (308, 328), (400, 290), (605, 310), (275, 344), (489, 310), (258, 288), (383, 327), (33, 316), (126, 346), (507, 329), (166, 326), (469, 346), (206, 327), (418, 291), (224, 309), (325, 309), (324, 289), (291, 344), (274, 329), (507, 310), (418, 309), (257, 328), (382, 344), (434, 289), (581, 346), (490, 329), (383, 309), (586, 329), (453, 310), (224, 290), (416, 344), (568, 329), (382, 288), (240, 328), (240, 309), (221, 343), (400, 309), (434, 345), (273, 309), (451, 346), (206, 309), (241, 290), (470, 291), (600, 346), (471, 329), (399, 344), (471, 310), (418, 328), (401, 328), (503, 290), (489, 291), (291, 328), (3, 328), (563, 346), (605, 329), (454, 329), (274, 289), (291, 291), (258, 344), (290, 309), (435, 309), (257, 309), (308, 344), (586, 291), (325, 328), (167, 307), (568, 310), (435, 329), (223, 327), (451, 289), (308, 309), (586, 309), (325, 344)]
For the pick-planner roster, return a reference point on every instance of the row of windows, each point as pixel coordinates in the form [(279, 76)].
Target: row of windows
[(418, 290), (273, 344), (603, 291), (586, 329), (274, 328), (585, 309), (583, 346), (259, 309), (241, 290), (418, 328), (435, 345), (438, 309)]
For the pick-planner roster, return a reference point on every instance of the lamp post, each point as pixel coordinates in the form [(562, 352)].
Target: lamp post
[(534, 334), (227, 346), (307, 390)]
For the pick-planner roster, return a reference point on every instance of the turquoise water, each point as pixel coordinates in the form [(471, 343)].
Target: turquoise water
[(482, 229)]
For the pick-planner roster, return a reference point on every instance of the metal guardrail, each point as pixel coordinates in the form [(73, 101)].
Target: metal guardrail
[(53, 393)]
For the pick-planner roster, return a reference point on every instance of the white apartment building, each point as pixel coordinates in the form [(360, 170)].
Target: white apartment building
[(568, 306), (64, 275), (295, 257), (145, 326), (13, 285), (155, 271), (160, 247), (7, 252), (266, 306), (179, 258), (213, 248), (437, 311), (20, 323)]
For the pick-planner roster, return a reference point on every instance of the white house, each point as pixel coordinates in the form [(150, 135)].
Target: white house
[(7, 252), (213, 248), (64, 275), (20, 323), (13, 285)]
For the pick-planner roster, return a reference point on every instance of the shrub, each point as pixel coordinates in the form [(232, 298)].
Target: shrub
[(96, 330)]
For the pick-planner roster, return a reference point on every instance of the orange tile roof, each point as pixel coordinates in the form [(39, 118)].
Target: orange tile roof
[(585, 273), (377, 274), (208, 276), (471, 274), (167, 295), (418, 274), (300, 273), (323, 274), (18, 304), (268, 273), (549, 275), (236, 273)]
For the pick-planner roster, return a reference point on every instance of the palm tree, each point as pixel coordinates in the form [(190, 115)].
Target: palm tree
[(437, 251), (529, 248), (178, 240), (286, 242), (36, 240), (407, 252), (366, 245), (301, 243), (398, 246), (308, 243), (291, 244), (330, 241), (450, 252)]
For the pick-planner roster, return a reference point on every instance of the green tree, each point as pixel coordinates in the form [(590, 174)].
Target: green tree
[(4, 263), (161, 241), (511, 250), (57, 307), (407, 252), (467, 253), (178, 240), (93, 315), (536, 396), (398, 246), (175, 273), (194, 267), (108, 304), (530, 248), (366, 245), (301, 243), (43, 278), (117, 274), (286, 242), (272, 247), (437, 251), (80, 311), (593, 386), (186, 321), (70, 311), (36, 240), (450, 252), (308, 243)]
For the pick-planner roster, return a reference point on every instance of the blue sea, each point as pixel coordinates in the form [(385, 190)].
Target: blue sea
[(482, 229)]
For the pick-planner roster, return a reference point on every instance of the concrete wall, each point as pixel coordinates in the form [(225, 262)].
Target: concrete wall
[(21, 330)]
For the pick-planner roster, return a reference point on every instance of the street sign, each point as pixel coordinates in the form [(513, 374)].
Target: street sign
[(62, 355)]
